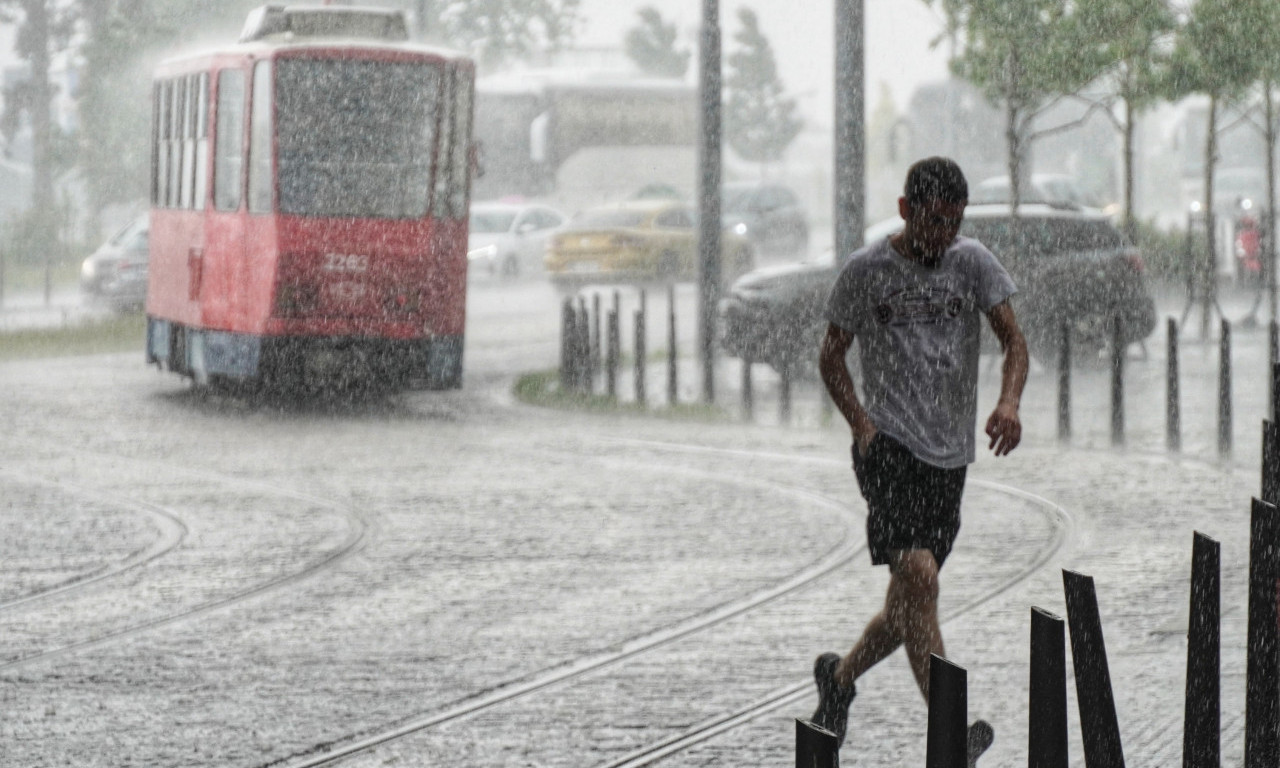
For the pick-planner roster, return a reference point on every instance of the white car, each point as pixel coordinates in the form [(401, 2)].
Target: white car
[(508, 239)]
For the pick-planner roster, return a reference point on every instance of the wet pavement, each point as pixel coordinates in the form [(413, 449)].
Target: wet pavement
[(210, 582)]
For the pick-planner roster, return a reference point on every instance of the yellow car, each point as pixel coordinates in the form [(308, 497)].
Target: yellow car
[(638, 240)]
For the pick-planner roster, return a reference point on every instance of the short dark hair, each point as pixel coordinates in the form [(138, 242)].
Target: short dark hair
[(936, 178)]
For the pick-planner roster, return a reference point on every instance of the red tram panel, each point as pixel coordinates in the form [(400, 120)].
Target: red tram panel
[(310, 200)]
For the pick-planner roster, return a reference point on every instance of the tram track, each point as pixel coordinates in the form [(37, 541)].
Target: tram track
[(1060, 521), (356, 536)]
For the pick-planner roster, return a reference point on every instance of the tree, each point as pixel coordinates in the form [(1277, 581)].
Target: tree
[(1211, 57), (759, 122), (1129, 39), (651, 44), (1022, 55), (499, 31)]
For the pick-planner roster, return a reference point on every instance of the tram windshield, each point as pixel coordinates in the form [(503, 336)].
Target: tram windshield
[(355, 138)]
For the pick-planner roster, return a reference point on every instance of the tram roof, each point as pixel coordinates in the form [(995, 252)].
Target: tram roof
[(262, 49)]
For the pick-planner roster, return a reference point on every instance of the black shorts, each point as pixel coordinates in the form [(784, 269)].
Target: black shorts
[(911, 504)]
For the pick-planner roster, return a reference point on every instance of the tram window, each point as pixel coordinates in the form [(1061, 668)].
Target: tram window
[(229, 141), (174, 144), (160, 145), (188, 141), (444, 154), (355, 137), (260, 133), (461, 132), (202, 141)]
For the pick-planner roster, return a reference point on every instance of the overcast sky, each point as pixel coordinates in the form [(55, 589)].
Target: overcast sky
[(898, 33)]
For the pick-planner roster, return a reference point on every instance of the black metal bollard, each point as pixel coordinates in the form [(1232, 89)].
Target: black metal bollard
[(1224, 390), (1262, 687), (1064, 383), (1047, 713), (1117, 383), (784, 393), (748, 391), (1273, 359), (947, 743), (816, 747), (641, 351), (611, 357), (672, 378), (568, 376), (596, 339), (1099, 728), (1173, 405), (1201, 731), (583, 347)]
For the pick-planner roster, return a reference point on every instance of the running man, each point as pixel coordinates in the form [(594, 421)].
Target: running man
[(914, 302)]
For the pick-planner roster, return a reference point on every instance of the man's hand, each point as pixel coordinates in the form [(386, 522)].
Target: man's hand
[(863, 433), (1004, 428)]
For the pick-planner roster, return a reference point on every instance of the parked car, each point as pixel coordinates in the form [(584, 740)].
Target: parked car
[(1072, 266), (637, 240), (116, 273), (768, 215), (508, 239), (1047, 188)]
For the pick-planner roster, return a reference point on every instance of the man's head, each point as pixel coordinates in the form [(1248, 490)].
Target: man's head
[(932, 205)]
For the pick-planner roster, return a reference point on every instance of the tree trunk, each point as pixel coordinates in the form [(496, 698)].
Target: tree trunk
[(1130, 225), (42, 209), (1209, 274)]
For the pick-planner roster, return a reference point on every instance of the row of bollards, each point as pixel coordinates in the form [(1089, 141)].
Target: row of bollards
[(583, 348), (1173, 411), (946, 745)]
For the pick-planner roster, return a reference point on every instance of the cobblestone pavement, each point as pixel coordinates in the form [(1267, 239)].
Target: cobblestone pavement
[(244, 583)]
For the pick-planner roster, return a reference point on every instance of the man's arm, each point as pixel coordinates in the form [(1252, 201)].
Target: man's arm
[(835, 375), (1004, 428)]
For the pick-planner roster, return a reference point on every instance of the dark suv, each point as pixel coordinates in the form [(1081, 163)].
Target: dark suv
[(768, 215), (1071, 266)]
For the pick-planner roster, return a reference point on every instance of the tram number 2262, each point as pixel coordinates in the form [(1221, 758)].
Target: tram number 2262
[(345, 262)]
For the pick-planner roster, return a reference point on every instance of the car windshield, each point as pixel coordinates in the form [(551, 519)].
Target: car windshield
[(1044, 236), (355, 138), (611, 218), (132, 234), (491, 222)]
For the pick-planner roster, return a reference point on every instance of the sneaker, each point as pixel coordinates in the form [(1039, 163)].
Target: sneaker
[(833, 699), (981, 734)]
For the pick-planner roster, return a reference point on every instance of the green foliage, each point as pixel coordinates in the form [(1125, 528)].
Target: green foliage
[(1214, 52), (651, 44), (1165, 251), (498, 32), (1128, 42), (760, 123)]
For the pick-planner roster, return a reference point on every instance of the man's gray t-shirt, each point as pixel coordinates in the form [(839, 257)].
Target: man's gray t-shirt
[(918, 330)]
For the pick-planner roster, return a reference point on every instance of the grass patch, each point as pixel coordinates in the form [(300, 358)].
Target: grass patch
[(542, 388), (116, 333)]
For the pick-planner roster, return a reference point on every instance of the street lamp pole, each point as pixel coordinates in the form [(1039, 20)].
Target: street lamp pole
[(850, 134), (709, 160)]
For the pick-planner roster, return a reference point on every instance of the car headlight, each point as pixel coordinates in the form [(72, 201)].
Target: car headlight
[(740, 228), (485, 252), (86, 269)]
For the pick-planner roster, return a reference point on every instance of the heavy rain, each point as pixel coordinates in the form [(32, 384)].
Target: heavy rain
[(437, 382)]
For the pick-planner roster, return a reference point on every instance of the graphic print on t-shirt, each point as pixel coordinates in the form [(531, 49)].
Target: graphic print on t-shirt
[(927, 304)]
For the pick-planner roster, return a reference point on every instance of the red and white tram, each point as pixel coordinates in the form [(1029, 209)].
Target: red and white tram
[(310, 194)]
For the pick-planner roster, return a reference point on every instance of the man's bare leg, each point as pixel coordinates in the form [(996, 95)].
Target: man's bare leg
[(909, 617)]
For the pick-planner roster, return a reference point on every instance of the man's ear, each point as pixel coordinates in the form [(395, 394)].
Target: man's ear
[(904, 208)]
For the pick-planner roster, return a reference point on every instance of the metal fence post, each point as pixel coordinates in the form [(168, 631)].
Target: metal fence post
[(947, 744), (1201, 732), (568, 377), (611, 357), (672, 379), (1173, 406), (748, 392), (1117, 383), (641, 351), (583, 347), (816, 747), (784, 393), (1100, 731), (1064, 383), (1262, 688), (596, 340), (1047, 710), (1224, 390)]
